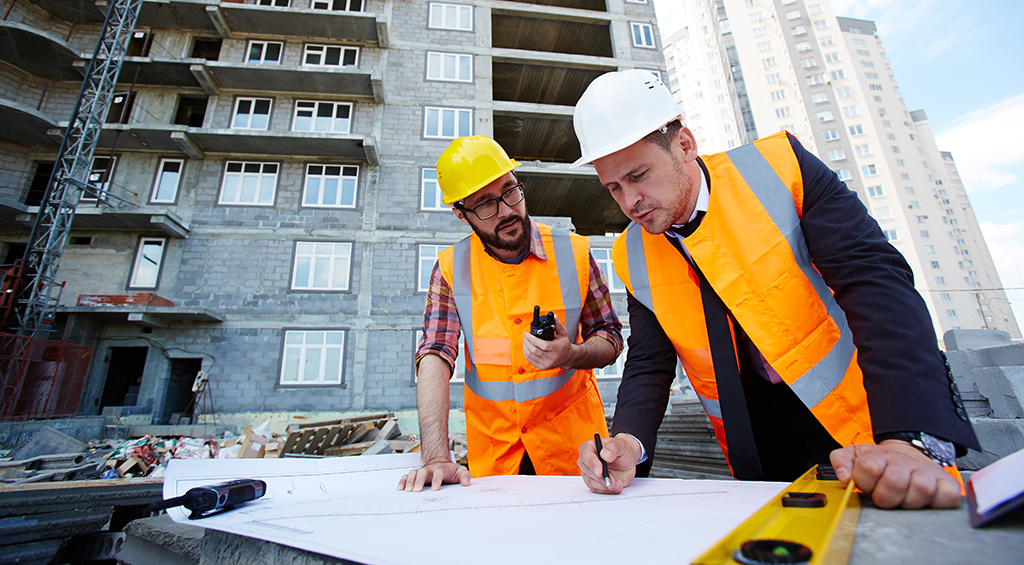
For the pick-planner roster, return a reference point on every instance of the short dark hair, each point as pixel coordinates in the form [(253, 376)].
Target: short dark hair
[(663, 136)]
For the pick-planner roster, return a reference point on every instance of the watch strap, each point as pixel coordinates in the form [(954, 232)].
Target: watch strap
[(938, 450)]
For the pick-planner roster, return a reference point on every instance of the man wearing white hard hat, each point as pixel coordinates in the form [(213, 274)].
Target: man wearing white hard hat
[(797, 323), (530, 401)]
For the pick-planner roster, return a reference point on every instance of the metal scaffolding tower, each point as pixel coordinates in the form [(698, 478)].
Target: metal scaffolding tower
[(69, 179)]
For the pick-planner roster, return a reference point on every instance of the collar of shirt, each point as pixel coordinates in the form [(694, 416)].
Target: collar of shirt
[(536, 247), (703, 198)]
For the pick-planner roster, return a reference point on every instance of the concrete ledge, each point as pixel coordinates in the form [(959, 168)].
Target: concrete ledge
[(160, 540)]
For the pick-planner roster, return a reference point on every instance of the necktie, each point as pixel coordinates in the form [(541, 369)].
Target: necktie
[(689, 227), (739, 434)]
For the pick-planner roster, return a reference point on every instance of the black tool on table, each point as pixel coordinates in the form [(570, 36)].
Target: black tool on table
[(543, 326), (212, 499)]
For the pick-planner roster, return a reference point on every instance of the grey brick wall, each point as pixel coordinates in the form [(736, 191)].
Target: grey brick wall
[(237, 261)]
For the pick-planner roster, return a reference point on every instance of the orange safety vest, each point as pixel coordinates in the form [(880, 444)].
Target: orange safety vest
[(752, 250), (511, 406)]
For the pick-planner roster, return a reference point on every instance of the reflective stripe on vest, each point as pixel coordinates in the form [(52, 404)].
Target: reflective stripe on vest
[(462, 294), (814, 385)]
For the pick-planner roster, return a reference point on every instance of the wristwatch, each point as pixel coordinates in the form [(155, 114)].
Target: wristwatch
[(938, 450)]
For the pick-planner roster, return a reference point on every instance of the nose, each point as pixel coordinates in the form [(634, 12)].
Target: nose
[(504, 210), (630, 197)]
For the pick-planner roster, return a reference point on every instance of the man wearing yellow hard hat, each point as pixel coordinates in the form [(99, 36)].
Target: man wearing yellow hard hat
[(797, 322), (529, 402)]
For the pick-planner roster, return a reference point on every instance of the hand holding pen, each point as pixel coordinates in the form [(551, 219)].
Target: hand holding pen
[(608, 465)]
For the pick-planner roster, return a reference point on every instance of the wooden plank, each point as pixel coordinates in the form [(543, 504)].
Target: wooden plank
[(314, 444), (332, 434), (342, 437), (300, 445), (346, 450), (289, 444), (389, 430), (351, 420)]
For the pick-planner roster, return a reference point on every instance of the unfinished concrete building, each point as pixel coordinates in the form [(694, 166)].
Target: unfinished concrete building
[(271, 163)]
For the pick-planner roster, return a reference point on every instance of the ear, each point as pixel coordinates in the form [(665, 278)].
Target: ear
[(688, 143), (461, 216)]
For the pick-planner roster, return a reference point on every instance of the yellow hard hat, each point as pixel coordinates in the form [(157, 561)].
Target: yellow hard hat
[(469, 164)]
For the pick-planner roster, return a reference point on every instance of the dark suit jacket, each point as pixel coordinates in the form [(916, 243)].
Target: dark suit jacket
[(904, 375)]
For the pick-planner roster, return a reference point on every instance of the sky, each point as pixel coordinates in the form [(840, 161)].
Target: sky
[(963, 64)]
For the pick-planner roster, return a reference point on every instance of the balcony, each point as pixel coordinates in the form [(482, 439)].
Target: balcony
[(99, 217), (214, 76), (229, 19), (24, 125), (577, 194), (197, 142), (82, 11), (38, 53), (565, 31)]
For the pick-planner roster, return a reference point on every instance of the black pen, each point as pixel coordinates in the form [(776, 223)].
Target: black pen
[(604, 465)]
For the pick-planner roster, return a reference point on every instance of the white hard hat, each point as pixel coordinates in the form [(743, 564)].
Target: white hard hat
[(618, 109)]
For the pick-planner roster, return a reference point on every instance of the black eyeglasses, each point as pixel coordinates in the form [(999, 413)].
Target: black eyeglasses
[(489, 208)]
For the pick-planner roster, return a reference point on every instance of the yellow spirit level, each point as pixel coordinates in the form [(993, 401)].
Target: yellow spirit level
[(812, 521)]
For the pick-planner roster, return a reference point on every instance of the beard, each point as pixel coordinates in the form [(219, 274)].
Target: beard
[(519, 243)]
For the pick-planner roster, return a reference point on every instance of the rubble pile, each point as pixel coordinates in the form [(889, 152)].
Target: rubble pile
[(53, 456)]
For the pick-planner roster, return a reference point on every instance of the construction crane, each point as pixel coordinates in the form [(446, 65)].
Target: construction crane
[(30, 286)]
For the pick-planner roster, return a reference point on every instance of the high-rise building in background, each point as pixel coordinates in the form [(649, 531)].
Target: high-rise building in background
[(273, 209), (795, 65)]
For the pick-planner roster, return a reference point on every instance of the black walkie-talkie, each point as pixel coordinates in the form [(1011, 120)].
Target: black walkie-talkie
[(544, 328), (209, 500)]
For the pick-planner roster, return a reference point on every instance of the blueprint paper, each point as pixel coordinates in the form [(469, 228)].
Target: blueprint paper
[(348, 507)]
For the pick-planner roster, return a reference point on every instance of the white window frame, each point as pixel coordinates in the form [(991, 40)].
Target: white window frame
[(643, 35), (263, 53), (844, 174), (876, 191), (457, 115), (850, 111), (322, 52), (813, 80), (449, 67), (252, 122), (891, 235), (881, 213), (322, 179), (862, 150), (164, 181), (136, 280), (431, 197), (868, 170), (456, 17), (836, 154), (298, 352), (332, 260), (825, 116), (603, 257), (831, 57), (321, 123), (856, 129), (235, 182), (830, 134), (426, 257), (614, 371)]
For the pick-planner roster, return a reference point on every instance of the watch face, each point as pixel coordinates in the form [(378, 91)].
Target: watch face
[(941, 449)]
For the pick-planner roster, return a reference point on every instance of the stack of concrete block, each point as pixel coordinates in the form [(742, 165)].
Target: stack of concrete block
[(687, 448), (989, 371)]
